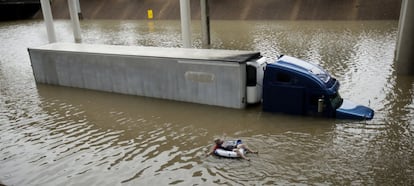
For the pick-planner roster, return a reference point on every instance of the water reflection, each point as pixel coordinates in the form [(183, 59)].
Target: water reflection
[(161, 140), (128, 32), (398, 130), (59, 136)]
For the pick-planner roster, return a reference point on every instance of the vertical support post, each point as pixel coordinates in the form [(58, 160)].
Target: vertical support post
[(185, 23), (404, 57), (205, 23), (79, 10), (47, 16), (75, 20)]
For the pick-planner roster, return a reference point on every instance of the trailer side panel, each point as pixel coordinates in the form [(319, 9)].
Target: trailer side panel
[(211, 82)]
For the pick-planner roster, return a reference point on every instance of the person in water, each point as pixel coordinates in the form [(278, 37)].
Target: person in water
[(219, 145)]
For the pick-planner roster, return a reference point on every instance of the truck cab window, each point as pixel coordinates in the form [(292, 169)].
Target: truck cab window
[(283, 77)]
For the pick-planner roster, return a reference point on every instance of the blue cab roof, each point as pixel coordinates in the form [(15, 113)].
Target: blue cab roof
[(303, 66)]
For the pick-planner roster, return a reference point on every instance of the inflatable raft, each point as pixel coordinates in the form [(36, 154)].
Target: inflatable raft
[(231, 144)]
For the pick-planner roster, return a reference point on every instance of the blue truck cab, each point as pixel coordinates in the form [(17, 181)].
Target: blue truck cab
[(294, 86)]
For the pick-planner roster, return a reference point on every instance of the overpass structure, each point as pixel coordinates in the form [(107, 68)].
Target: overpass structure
[(403, 54)]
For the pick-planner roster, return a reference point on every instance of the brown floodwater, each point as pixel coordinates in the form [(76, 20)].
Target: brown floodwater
[(54, 135)]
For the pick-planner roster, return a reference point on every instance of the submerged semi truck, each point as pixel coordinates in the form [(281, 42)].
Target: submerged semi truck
[(227, 78)]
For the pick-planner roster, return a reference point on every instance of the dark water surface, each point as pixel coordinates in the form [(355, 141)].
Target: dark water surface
[(65, 136)]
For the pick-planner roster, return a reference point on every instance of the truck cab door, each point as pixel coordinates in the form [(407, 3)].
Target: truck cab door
[(280, 95)]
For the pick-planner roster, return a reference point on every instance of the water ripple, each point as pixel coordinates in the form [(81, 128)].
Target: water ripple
[(64, 136)]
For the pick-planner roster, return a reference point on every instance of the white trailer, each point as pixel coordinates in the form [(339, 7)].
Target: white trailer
[(225, 78)]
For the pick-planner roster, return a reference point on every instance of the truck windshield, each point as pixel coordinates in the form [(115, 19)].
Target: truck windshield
[(323, 76), (336, 101)]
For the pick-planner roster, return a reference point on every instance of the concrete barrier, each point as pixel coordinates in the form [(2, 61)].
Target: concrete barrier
[(237, 9)]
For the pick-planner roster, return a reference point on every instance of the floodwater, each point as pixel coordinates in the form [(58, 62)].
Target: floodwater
[(54, 135)]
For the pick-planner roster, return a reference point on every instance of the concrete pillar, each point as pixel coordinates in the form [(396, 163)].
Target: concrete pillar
[(205, 23), (404, 55), (185, 23), (79, 10), (47, 17), (75, 20)]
